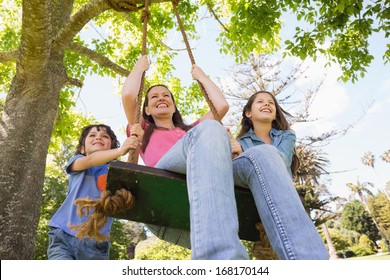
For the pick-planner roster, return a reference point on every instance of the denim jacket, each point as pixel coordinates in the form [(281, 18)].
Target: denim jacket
[(283, 140)]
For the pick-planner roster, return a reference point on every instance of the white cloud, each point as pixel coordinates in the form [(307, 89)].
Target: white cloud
[(330, 102)]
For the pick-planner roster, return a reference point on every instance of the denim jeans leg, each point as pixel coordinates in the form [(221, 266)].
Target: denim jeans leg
[(88, 249), (204, 154), (60, 245), (291, 232)]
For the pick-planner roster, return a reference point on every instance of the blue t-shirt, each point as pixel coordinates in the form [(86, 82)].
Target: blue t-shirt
[(82, 184), (283, 140)]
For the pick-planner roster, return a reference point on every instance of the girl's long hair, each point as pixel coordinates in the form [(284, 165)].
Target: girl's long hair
[(280, 123), (177, 119)]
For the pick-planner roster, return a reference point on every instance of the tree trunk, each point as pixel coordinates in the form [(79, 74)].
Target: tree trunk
[(26, 127), (332, 249), (29, 112), (25, 130)]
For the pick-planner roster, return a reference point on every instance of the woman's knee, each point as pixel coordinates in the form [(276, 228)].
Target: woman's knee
[(264, 150), (212, 131), (212, 126)]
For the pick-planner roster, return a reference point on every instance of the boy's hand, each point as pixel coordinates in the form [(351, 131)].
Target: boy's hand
[(130, 143)]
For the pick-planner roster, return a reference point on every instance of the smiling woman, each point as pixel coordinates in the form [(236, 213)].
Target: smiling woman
[(161, 121), (172, 145), (160, 102)]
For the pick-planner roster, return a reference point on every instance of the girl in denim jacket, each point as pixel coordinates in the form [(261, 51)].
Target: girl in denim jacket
[(265, 150)]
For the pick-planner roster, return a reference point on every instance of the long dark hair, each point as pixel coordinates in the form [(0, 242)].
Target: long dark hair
[(177, 119), (279, 123), (84, 133)]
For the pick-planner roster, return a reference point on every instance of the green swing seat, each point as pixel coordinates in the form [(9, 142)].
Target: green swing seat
[(162, 199)]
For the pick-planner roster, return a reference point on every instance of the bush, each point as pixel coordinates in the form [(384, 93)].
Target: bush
[(346, 254), (365, 247), (383, 246), (157, 249)]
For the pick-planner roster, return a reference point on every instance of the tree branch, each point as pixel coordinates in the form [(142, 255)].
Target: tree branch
[(172, 49), (11, 56), (216, 17), (74, 82), (88, 12), (78, 21), (98, 58)]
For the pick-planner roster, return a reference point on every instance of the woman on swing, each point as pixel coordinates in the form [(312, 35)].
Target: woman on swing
[(169, 144)]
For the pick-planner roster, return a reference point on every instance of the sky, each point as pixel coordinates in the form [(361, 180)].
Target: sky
[(364, 105)]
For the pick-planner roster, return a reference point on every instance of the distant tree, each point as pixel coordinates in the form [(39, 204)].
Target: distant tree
[(380, 207), (315, 195), (340, 241), (355, 217), (362, 190), (369, 160), (386, 156)]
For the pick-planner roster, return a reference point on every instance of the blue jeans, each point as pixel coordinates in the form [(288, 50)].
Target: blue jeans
[(290, 230), (63, 246), (204, 155)]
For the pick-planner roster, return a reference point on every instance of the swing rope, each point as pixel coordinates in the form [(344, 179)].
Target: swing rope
[(192, 59), (145, 19)]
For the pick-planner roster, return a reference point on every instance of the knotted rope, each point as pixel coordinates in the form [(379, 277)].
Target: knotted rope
[(262, 249), (107, 205)]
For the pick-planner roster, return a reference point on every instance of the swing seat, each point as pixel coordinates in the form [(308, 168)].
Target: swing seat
[(162, 199)]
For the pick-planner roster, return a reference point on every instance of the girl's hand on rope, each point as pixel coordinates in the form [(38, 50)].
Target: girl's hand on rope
[(136, 130), (236, 147), (130, 143), (197, 73), (142, 64)]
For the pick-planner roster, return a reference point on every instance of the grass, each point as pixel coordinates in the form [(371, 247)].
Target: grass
[(385, 256)]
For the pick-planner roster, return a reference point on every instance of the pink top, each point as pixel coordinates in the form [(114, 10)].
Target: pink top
[(160, 142)]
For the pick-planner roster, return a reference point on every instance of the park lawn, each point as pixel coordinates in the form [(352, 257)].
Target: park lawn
[(373, 257)]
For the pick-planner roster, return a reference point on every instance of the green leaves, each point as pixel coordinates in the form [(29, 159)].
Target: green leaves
[(253, 27), (341, 30)]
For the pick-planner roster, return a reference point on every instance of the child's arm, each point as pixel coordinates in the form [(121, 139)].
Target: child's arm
[(214, 93), (131, 88), (102, 157), (236, 147)]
